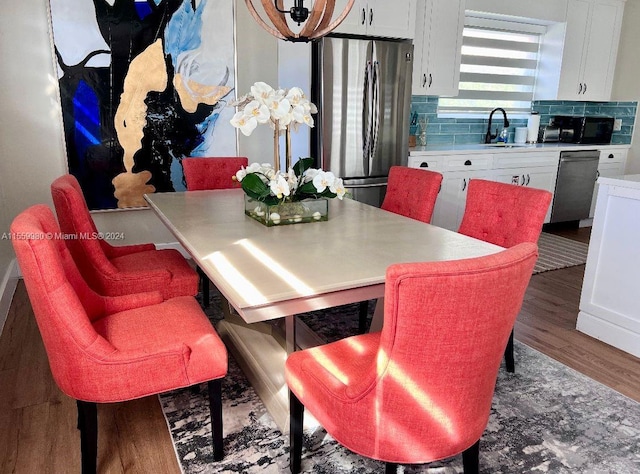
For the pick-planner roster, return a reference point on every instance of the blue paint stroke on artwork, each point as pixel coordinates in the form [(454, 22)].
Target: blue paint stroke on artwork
[(206, 129), (183, 30), (87, 120)]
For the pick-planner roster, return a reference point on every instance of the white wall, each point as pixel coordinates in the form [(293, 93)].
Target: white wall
[(31, 143), (626, 83)]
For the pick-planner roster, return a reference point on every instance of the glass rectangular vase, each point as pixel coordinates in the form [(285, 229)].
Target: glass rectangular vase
[(298, 212)]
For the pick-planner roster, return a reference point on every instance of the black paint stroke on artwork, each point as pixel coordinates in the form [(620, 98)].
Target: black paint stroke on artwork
[(90, 97)]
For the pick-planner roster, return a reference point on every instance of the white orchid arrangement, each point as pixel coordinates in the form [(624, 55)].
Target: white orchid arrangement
[(281, 109), (263, 183)]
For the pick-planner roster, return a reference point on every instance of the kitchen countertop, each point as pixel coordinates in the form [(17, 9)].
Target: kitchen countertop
[(508, 148), (631, 181)]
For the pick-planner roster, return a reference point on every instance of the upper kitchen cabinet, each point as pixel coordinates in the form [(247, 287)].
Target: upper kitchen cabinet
[(437, 47), (379, 18), (583, 69)]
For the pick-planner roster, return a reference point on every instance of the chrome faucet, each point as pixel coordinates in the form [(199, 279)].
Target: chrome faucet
[(488, 137)]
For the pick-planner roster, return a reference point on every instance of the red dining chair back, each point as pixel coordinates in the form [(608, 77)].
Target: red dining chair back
[(206, 173), (421, 389), (506, 215), (202, 173), (117, 270), (412, 192), (112, 349)]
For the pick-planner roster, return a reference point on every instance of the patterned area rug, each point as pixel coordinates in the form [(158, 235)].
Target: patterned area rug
[(558, 252), (546, 418)]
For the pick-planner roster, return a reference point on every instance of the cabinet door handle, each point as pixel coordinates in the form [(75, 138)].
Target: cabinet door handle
[(468, 163), (364, 17), (610, 155), (370, 16), (464, 184), (580, 89), (597, 174), (430, 79), (424, 80), (585, 88), (524, 181), (424, 164), (528, 179)]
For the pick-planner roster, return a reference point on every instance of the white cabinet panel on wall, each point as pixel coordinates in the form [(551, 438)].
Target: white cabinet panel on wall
[(379, 18), (589, 53), (437, 47)]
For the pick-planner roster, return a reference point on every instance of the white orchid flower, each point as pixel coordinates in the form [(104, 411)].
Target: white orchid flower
[(262, 92), (309, 174), (292, 180), (279, 107), (323, 180), (240, 174), (295, 95), (257, 110), (246, 123), (254, 168), (338, 188), (279, 186)]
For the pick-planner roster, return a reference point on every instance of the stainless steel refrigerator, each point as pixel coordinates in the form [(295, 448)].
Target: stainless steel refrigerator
[(363, 91)]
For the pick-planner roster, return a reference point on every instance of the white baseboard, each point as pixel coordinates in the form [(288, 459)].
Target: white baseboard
[(7, 289)]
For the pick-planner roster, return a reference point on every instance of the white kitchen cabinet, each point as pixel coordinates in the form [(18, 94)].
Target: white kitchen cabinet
[(611, 165), (456, 173), (437, 47), (379, 18), (609, 299), (534, 170), (588, 55)]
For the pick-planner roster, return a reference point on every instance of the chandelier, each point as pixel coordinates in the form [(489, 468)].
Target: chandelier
[(318, 19)]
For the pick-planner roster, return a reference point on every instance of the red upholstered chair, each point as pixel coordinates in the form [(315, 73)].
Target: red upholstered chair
[(117, 270), (212, 172), (421, 389), (112, 349), (412, 192), (505, 215), (203, 173)]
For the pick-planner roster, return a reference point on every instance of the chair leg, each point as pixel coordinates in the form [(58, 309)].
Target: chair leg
[(363, 312), (88, 426), (296, 421), (390, 468), (508, 355), (204, 284), (215, 406), (471, 459)]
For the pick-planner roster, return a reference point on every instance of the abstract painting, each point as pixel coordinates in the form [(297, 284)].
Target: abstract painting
[(143, 84)]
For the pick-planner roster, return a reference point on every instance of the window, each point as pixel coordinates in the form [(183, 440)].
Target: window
[(498, 68)]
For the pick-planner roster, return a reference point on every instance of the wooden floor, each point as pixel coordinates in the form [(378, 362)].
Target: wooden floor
[(37, 422)]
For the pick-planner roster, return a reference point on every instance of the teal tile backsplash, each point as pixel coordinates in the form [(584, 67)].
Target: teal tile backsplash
[(448, 131)]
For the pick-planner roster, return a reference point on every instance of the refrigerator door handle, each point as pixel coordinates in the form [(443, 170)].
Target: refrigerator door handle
[(367, 112), (375, 115)]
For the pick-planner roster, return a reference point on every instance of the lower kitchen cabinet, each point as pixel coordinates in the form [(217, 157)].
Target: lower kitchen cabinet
[(453, 197), (539, 178), (611, 165)]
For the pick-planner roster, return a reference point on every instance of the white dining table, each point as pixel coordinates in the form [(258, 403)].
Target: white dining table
[(275, 273)]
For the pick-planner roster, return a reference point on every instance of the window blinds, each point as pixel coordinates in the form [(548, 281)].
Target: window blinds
[(498, 68)]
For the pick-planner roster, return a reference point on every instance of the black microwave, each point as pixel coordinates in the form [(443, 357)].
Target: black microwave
[(589, 130)]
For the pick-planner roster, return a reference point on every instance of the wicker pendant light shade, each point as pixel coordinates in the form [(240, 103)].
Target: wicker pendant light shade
[(317, 20)]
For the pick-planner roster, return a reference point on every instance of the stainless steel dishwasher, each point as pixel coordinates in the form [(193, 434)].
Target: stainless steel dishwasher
[(577, 174)]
